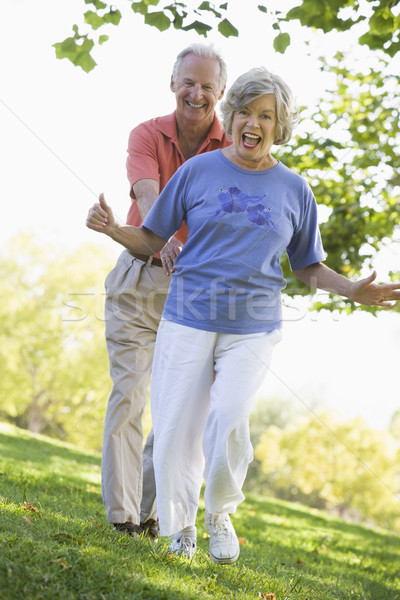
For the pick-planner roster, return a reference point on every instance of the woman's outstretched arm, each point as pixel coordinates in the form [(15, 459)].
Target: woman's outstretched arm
[(137, 239)]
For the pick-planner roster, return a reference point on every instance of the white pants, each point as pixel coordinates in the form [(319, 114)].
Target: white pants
[(203, 390), (135, 296)]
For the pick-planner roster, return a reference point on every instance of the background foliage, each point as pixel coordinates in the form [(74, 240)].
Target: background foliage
[(348, 148), (53, 361), (329, 463), (379, 18)]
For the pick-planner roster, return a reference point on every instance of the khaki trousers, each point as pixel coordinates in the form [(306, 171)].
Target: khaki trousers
[(135, 296)]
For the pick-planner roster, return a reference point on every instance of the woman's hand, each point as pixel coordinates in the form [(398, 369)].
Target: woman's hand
[(100, 217), (366, 292)]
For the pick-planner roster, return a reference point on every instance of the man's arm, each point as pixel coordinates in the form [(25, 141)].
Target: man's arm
[(146, 193), (363, 291)]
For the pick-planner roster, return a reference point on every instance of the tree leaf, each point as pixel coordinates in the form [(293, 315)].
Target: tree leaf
[(93, 19), (382, 22), (207, 6), (113, 17), (381, 42), (30, 507), (142, 7), (97, 4), (199, 27), (322, 14), (139, 7), (177, 22), (227, 29), (158, 19), (177, 15), (77, 53), (281, 42)]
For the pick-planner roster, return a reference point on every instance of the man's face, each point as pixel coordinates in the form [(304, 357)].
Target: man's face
[(197, 89)]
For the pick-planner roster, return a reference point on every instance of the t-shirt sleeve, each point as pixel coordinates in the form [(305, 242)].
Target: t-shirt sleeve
[(305, 247), (169, 210), (142, 161)]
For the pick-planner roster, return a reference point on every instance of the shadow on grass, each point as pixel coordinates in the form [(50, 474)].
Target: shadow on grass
[(21, 445), (39, 471)]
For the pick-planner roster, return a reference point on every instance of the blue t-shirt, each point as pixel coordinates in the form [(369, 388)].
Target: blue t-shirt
[(228, 277)]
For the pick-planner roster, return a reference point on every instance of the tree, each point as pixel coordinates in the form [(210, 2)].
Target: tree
[(395, 425), (277, 412), (348, 148), (342, 465), (53, 364), (380, 22)]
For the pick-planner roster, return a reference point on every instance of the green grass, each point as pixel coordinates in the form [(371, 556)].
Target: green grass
[(59, 546)]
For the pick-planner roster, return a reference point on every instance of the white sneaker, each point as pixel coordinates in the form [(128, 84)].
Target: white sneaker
[(184, 542), (224, 544)]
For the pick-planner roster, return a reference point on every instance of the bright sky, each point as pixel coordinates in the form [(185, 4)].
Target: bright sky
[(63, 140)]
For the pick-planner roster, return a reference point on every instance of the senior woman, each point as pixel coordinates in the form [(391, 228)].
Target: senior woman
[(222, 317)]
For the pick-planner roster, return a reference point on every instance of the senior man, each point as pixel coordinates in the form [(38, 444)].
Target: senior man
[(137, 286)]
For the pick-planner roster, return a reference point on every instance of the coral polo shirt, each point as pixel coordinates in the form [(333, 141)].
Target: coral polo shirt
[(153, 153)]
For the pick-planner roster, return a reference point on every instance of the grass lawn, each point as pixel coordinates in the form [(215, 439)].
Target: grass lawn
[(56, 544)]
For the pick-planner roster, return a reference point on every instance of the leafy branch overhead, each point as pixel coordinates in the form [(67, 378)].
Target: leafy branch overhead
[(381, 30)]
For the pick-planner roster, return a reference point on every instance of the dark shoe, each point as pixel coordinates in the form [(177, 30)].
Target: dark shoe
[(150, 528), (128, 528)]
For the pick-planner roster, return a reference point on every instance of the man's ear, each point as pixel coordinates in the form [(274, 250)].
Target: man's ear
[(222, 92)]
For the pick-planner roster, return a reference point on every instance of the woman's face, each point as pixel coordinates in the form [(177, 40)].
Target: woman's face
[(253, 133)]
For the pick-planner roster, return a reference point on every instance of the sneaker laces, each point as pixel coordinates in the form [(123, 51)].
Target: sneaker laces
[(184, 542), (222, 524), (188, 546)]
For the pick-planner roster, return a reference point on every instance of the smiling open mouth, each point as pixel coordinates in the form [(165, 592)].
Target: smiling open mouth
[(250, 140), (192, 105)]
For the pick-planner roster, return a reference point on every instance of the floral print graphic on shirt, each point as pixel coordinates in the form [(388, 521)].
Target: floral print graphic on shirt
[(235, 201)]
